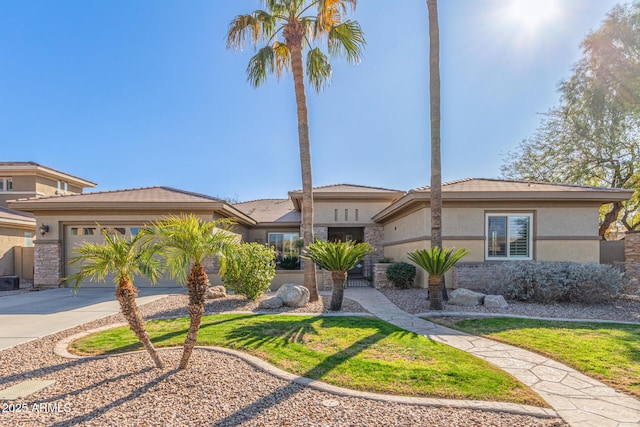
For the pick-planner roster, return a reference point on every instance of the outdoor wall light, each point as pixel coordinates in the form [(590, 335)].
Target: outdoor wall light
[(44, 229)]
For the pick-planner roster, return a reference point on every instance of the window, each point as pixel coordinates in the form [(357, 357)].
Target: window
[(28, 239), (63, 187), (284, 243), (6, 184), (83, 231), (508, 237)]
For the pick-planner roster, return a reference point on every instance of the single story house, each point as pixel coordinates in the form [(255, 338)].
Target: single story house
[(496, 220)]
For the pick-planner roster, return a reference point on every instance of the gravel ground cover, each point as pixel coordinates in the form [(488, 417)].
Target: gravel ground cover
[(622, 310), (216, 389)]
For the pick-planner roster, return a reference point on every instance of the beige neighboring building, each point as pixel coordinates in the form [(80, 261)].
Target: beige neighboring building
[(496, 220), (18, 229)]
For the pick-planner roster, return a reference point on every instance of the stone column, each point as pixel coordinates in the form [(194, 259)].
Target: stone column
[(632, 254), (47, 263), (374, 235), (380, 276)]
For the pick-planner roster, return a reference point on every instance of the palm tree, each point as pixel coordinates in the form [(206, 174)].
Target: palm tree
[(338, 258), (436, 262), (435, 194), (124, 258), (288, 28), (188, 241)]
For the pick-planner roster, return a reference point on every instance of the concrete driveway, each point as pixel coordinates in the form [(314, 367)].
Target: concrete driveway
[(32, 315)]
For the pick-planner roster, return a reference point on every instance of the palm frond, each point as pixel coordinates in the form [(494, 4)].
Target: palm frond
[(261, 65), (436, 261), (347, 40), (254, 27), (187, 239), (282, 56), (337, 256), (318, 69)]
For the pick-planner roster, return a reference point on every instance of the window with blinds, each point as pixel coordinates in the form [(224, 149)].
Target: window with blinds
[(508, 237)]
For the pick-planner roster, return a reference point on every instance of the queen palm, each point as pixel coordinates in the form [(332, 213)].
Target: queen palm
[(186, 242), (338, 258), (123, 258), (287, 28)]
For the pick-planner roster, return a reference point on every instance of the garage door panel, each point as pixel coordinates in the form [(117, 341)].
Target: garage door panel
[(76, 235)]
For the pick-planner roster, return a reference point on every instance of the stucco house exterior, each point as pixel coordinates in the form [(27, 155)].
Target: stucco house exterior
[(496, 220), (18, 230)]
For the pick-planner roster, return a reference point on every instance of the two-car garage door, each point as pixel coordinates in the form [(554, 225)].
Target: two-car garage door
[(76, 235)]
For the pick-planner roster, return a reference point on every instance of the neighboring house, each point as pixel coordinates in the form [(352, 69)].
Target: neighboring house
[(17, 229), (496, 220)]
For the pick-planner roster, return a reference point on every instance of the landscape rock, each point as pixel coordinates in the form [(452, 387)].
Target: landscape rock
[(466, 298), (215, 292), (293, 295), (270, 303), (495, 301)]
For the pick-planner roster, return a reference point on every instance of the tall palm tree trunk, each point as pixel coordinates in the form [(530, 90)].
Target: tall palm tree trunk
[(197, 283), (126, 295), (435, 296), (434, 108), (293, 34), (339, 277)]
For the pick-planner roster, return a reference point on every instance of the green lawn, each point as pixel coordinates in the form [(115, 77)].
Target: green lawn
[(609, 352), (357, 353)]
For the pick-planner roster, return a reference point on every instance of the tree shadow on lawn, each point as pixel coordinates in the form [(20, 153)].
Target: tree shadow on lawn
[(254, 336)]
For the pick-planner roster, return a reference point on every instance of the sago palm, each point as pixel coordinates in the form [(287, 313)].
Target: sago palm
[(124, 259), (338, 258), (436, 262), (287, 29), (185, 242)]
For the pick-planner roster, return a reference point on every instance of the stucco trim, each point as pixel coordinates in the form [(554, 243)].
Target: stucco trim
[(428, 237), (567, 238)]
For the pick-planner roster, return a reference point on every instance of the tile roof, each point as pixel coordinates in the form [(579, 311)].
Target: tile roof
[(16, 216), (139, 195), (348, 188), (46, 169), (498, 185), (270, 210)]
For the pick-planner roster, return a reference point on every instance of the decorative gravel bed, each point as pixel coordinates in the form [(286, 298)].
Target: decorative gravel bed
[(216, 389), (622, 310)]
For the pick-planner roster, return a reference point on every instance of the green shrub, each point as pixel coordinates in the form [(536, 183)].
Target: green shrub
[(247, 269), (385, 260), (401, 274), (550, 282), (290, 262)]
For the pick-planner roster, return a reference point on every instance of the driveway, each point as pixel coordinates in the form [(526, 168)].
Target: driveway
[(32, 315)]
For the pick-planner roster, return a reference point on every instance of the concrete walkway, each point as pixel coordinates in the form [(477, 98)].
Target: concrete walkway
[(33, 315), (578, 399)]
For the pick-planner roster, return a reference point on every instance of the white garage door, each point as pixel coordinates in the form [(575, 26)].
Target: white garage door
[(76, 235)]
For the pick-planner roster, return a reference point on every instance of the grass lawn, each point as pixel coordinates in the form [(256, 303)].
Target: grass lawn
[(609, 352), (351, 352)]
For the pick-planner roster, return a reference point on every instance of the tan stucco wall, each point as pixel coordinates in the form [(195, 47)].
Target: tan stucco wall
[(562, 231), (324, 212), (9, 238)]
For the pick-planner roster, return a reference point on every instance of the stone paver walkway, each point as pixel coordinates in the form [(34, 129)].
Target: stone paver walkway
[(578, 399)]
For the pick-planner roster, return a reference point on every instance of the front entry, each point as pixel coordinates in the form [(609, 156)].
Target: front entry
[(358, 276)]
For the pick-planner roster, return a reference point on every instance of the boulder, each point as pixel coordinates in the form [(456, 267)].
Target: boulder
[(293, 295), (466, 298), (495, 301), (270, 303), (216, 292)]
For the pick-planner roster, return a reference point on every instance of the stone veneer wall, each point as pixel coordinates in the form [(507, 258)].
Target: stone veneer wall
[(374, 235), (472, 275), (632, 254), (380, 276), (47, 263)]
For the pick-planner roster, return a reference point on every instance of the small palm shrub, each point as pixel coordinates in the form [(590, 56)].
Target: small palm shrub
[(401, 274), (551, 282), (247, 269), (290, 262)]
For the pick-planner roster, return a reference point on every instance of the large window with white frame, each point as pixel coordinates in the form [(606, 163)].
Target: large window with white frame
[(284, 244), (509, 236), (6, 184)]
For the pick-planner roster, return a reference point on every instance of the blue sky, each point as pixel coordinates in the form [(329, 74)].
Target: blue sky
[(140, 93)]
